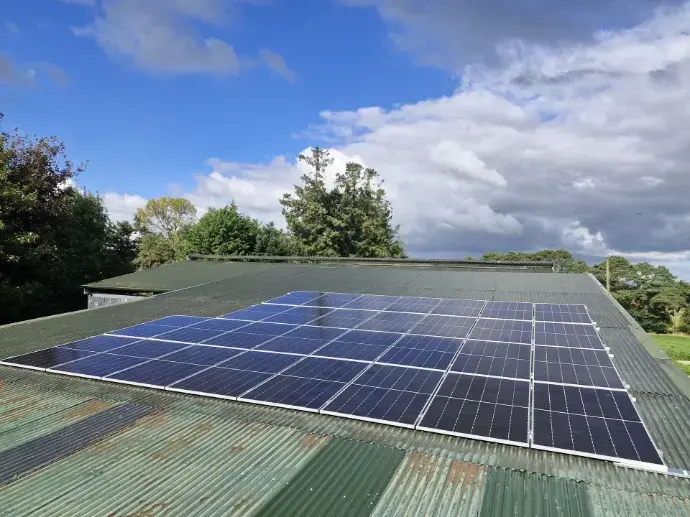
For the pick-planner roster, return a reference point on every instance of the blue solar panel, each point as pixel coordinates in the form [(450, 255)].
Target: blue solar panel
[(99, 365), (299, 315), (460, 367), (223, 382), (101, 343)]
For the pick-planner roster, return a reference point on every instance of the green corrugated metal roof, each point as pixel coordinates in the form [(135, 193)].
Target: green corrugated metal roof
[(200, 456)]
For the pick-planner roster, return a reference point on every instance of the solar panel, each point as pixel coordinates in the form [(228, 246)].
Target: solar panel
[(458, 367), (508, 310), (567, 335), (590, 422), (389, 394), (411, 304), (585, 367), (468, 308), (494, 358), (561, 313), (512, 331), (444, 326), (480, 407), (391, 322)]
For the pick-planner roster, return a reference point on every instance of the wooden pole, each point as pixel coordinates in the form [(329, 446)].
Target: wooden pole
[(608, 276)]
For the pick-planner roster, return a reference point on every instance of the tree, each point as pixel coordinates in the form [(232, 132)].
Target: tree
[(226, 231), (352, 219), (161, 224), (52, 237), (563, 260)]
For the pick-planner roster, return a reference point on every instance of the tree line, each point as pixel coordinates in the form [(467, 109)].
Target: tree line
[(55, 238)]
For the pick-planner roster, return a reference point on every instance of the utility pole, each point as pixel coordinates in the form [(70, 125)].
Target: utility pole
[(608, 275)]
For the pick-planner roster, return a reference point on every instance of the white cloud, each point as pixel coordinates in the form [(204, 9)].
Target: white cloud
[(121, 207), (583, 146), (162, 36)]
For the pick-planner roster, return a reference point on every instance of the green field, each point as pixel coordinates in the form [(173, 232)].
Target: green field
[(676, 347)]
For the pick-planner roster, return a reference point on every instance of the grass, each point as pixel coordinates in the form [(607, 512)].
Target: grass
[(676, 347)]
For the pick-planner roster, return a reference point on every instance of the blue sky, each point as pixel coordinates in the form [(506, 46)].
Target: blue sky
[(496, 125)]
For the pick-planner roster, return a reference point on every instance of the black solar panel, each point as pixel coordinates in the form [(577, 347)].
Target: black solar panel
[(512, 331), (481, 407), (567, 335), (508, 310), (590, 421), (460, 367), (561, 313), (494, 358)]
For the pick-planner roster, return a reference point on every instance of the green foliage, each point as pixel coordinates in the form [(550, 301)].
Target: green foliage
[(563, 260), (162, 224), (684, 323), (676, 347), (53, 239), (226, 231), (351, 220)]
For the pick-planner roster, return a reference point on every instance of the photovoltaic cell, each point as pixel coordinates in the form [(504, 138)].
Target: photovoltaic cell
[(299, 315), (410, 304), (292, 345), (220, 324), (142, 330), (296, 298), (508, 310), (261, 362), (418, 358), (494, 358), (468, 308), (100, 343), (369, 302), (567, 335), (257, 312), (225, 382), (391, 322), (268, 329), (343, 318), (190, 335), (48, 358), (430, 343), (323, 334), (238, 339), (156, 373), (379, 404), (444, 326), (512, 331), (290, 391), (575, 366), (590, 422), (326, 369), (204, 355), (149, 349), (99, 365), (180, 321), (359, 345), (333, 300), (399, 378), (481, 407), (563, 313)]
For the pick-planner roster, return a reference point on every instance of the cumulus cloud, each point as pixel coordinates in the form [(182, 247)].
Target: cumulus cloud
[(121, 207), (583, 146), (162, 36)]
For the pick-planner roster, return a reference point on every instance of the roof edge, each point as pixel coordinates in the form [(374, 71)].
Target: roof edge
[(272, 258)]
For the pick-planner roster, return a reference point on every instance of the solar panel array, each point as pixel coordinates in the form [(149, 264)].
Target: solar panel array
[(533, 375)]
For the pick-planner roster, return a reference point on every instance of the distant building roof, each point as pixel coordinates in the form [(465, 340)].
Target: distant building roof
[(147, 452)]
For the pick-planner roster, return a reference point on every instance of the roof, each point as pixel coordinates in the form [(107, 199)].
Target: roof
[(196, 271), (148, 452)]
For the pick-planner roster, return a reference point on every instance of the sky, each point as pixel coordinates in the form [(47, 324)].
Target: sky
[(496, 125)]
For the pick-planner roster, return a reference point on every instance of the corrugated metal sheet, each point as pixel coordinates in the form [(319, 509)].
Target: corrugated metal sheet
[(606, 502), (176, 276), (668, 419), (346, 478), (39, 452), (433, 486)]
